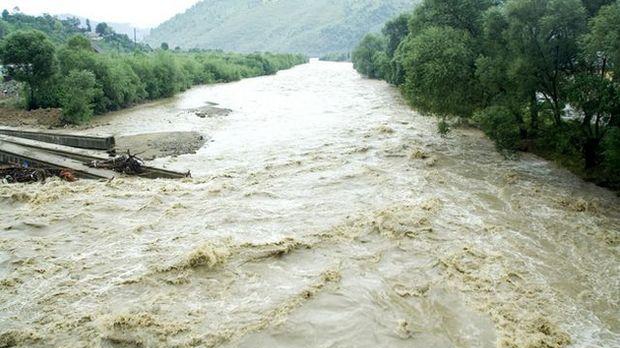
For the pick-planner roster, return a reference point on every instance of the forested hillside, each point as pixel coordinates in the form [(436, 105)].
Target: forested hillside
[(311, 27), (534, 75), (60, 29)]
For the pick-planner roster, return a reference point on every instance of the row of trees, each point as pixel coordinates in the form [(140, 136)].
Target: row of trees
[(73, 76), (539, 75)]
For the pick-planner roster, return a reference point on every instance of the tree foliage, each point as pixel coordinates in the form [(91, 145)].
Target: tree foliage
[(532, 74), (368, 57), (60, 31), (83, 82), (103, 29), (28, 56), (76, 96)]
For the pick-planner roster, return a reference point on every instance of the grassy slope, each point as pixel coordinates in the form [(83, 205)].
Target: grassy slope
[(312, 27)]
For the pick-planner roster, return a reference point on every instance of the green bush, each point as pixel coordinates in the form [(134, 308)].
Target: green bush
[(541, 75), (611, 145), (119, 80), (498, 123), (77, 94), (368, 56)]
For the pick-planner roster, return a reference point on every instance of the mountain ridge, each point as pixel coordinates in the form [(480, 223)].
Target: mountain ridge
[(313, 28)]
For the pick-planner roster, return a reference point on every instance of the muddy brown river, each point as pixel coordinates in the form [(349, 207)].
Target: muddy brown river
[(323, 212)]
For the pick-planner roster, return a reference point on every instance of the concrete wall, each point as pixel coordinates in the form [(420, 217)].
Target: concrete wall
[(83, 142)]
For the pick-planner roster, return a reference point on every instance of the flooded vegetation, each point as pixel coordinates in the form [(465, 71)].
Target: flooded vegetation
[(323, 212)]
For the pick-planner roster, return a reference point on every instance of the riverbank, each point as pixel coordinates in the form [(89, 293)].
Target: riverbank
[(40, 118), (149, 146)]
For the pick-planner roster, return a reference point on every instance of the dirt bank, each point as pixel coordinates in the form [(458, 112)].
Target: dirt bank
[(40, 118)]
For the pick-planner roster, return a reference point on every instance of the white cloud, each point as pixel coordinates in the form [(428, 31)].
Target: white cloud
[(140, 13)]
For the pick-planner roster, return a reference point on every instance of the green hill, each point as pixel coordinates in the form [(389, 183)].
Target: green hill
[(312, 27), (61, 28)]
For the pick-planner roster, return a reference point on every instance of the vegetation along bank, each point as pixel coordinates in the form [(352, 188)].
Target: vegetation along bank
[(534, 75), (61, 66)]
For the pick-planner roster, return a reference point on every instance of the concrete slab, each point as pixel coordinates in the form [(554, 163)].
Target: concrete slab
[(14, 153), (78, 141)]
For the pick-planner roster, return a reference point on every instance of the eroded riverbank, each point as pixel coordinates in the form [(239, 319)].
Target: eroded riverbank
[(322, 213)]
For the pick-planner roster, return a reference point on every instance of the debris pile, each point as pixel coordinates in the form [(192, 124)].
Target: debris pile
[(18, 174), (127, 164)]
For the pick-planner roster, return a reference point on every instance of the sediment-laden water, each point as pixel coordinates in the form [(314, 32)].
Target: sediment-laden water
[(323, 212)]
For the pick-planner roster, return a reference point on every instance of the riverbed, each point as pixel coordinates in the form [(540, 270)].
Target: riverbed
[(322, 212)]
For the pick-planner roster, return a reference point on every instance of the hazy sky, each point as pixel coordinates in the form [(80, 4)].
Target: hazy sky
[(141, 13)]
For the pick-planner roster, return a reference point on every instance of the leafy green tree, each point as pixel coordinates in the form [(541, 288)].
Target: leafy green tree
[(77, 93), (596, 98), (88, 27), (367, 58), (4, 28), (504, 80), (458, 14), (595, 91), (5, 14), (543, 35), (612, 153), (593, 6), (79, 42), (164, 46), (103, 29), (395, 32), (440, 74), (29, 57), (499, 124), (602, 43), (535, 74)]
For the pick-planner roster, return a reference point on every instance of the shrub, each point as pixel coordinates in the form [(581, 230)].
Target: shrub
[(611, 153), (499, 124), (77, 94)]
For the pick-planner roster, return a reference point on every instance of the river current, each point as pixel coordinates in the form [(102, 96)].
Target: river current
[(322, 212)]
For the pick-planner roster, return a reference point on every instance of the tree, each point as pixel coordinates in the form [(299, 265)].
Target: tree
[(595, 91), (29, 57), (542, 35), (88, 27), (458, 14), (593, 6), (4, 28), (79, 42), (5, 14), (612, 152), (498, 123), (77, 93), (602, 43), (596, 98), (72, 22), (440, 74), (366, 58), (103, 29), (395, 32), (164, 46)]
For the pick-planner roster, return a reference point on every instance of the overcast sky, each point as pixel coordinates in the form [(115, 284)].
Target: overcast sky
[(140, 13)]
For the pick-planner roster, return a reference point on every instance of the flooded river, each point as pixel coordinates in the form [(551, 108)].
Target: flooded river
[(323, 212)]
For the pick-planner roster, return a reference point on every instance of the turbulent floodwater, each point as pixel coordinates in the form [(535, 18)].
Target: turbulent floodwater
[(322, 213)]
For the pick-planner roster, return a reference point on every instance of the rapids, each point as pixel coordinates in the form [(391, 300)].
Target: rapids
[(323, 212)]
